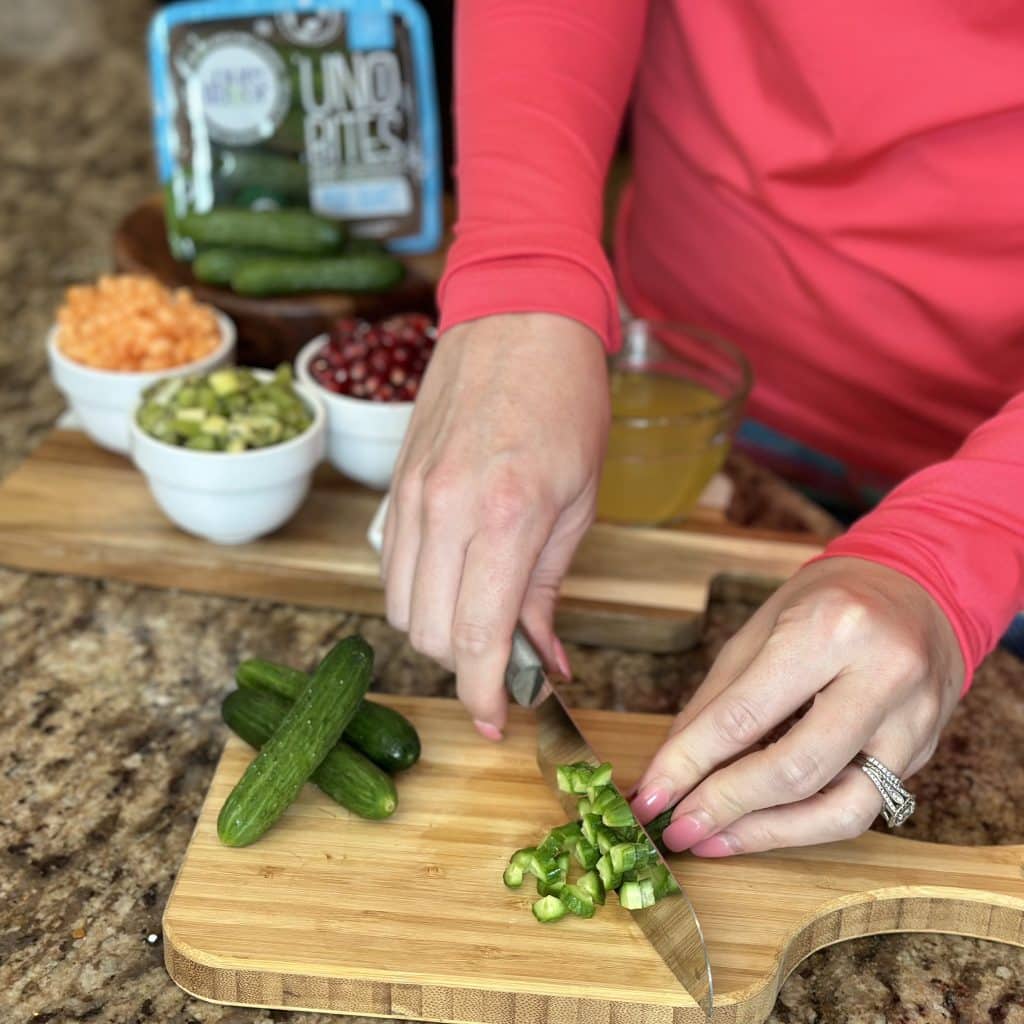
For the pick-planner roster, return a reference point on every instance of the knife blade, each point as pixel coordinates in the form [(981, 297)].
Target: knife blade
[(671, 924)]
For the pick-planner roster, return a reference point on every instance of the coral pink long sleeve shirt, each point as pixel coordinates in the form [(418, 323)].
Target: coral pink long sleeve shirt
[(837, 187)]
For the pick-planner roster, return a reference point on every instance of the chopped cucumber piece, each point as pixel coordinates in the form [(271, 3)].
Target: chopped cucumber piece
[(522, 858), (550, 888), (626, 856), (586, 854), (215, 425), (663, 881), (513, 876), (604, 797), (610, 878), (618, 815), (591, 883), (549, 908), (544, 869), (577, 901), (588, 826), (637, 895), (225, 382), (602, 775), (606, 839), (565, 835)]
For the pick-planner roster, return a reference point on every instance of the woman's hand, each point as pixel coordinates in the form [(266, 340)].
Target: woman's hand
[(494, 488), (882, 665)]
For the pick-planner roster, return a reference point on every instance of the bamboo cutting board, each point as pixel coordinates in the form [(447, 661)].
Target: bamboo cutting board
[(409, 917), (73, 508)]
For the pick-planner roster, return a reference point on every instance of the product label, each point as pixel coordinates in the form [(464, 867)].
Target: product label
[(355, 124), (242, 86)]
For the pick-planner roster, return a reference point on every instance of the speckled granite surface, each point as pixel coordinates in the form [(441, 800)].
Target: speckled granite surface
[(108, 693)]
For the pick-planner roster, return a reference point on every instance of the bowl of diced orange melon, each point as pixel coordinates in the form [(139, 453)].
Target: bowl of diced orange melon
[(115, 338)]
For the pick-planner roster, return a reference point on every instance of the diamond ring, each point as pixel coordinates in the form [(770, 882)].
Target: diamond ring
[(897, 801)]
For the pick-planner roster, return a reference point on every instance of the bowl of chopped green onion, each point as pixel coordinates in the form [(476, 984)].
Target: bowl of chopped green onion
[(229, 455)]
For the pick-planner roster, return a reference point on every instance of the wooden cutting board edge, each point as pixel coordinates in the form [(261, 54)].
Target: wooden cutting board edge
[(645, 614)]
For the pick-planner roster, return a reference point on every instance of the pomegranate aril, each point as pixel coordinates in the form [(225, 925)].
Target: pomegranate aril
[(372, 384), (355, 350), (411, 388), (385, 393), (357, 371), (397, 376), (380, 360)]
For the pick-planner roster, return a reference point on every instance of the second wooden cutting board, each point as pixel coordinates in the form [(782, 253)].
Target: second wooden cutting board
[(409, 918)]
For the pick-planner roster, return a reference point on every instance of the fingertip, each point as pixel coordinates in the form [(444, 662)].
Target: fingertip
[(650, 800), (725, 844), (561, 659), (488, 731)]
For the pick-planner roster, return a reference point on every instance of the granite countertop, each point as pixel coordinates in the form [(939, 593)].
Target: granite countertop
[(109, 693)]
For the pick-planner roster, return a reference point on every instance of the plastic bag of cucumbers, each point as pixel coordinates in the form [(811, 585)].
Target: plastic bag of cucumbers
[(297, 142)]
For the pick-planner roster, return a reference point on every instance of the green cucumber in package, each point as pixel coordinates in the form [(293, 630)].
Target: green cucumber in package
[(327, 109)]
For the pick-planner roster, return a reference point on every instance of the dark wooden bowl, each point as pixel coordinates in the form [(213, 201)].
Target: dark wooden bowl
[(270, 330)]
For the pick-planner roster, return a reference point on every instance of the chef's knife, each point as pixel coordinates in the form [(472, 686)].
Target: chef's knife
[(671, 924)]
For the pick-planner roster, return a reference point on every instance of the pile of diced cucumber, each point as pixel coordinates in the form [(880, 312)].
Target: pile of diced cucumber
[(228, 410), (611, 850)]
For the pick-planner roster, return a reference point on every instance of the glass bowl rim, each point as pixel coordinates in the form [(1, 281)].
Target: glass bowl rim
[(726, 406)]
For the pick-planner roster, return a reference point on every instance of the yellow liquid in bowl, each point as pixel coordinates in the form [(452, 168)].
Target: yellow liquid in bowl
[(655, 471)]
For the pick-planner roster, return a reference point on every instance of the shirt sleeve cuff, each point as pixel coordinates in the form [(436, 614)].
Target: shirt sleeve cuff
[(537, 278)]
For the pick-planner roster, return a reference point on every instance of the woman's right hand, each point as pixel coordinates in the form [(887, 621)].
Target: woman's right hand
[(495, 485)]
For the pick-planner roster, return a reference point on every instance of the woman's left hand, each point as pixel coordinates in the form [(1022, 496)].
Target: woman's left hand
[(882, 665)]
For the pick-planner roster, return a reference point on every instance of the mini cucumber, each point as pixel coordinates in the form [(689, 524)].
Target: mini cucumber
[(312, 726), (287, 231), (386, 737), (281, 276), (344, 775), (218, 265), (282, 175)]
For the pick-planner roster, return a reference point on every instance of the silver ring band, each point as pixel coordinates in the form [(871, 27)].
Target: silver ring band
[(898, 802)]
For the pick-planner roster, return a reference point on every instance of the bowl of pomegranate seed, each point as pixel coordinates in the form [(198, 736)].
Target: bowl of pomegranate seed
[(368, 375)]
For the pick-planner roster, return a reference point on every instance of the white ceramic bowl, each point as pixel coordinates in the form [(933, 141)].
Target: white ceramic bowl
[(232, 497), (363, 437), (105, 400)]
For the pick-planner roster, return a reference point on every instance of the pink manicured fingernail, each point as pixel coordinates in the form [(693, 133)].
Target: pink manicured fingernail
[(562, 659), (488, 731), (650, 802), (725, 844), (686, 830)]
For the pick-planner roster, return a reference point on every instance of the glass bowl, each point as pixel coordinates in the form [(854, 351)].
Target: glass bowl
[(677, 396)]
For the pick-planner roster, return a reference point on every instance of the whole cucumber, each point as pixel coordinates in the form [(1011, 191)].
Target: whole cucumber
[(344, 775), (384, 735), (362, 273), (218, 265), (289, 231), (284, 175), (311, 727)]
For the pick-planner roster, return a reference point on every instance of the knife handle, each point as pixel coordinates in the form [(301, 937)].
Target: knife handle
[(524, 674)]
